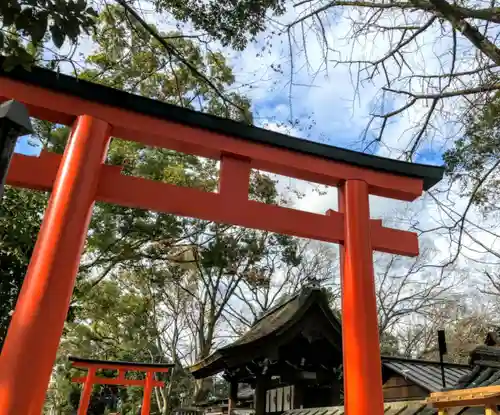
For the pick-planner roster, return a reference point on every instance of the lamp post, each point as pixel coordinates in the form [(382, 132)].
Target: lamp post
[(442, 352), (14, 122)]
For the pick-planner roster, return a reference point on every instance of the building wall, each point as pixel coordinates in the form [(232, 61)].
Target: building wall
[(279, 399), (398, 388)]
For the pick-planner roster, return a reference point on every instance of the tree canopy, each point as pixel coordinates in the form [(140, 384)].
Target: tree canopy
[(21, 214)]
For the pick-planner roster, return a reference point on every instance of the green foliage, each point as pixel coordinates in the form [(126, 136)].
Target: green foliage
[(129, 59), (232, 22), (108, 323), (474, 159), (36, 21), (389, 345), (20, 218)]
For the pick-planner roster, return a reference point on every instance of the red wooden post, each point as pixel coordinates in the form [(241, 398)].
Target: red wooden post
[(88, 385), (361, 349), (341, 209), (148, 389), (234, 178), (33, 337)]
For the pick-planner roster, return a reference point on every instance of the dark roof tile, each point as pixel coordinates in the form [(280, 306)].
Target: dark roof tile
[(390, 408), (273, 319), (486, 371), (276, 321), (426, 374)]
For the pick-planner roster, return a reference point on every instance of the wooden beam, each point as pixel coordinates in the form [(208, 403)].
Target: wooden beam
[(135, 192), (461, 392), (488, 397), (60, 108), (491, 410), (118, 381)]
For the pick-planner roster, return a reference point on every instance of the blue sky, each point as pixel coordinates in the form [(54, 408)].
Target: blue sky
[(23, 146)]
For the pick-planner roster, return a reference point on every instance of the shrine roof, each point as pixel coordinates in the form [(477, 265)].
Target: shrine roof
[(117, 363), (44, 78), (267, 329), (390, 408), (485, 362), (483, 370), (425, 373)]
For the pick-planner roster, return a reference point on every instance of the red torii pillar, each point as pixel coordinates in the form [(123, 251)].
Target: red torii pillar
[(80, 177), (42, 306), (359, 305), (91, 379)]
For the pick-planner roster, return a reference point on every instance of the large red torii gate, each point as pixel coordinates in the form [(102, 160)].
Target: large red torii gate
[(80, 177)]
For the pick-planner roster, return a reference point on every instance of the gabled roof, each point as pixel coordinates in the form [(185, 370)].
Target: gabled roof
[(426, 374), (44, 78), (270, 329)]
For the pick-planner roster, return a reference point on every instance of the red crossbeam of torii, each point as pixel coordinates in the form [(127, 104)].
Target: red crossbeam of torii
[(40, 173), (80, 177), (91, 378)]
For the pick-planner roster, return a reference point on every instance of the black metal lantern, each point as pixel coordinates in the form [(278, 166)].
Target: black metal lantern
[(14, 123)]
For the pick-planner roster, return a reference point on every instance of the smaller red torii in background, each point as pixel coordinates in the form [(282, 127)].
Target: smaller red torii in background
[(91, 379)]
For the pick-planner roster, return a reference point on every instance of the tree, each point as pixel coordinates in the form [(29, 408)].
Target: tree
[(313, 262), (415, 85), (465, 328), (234, 23), (474, 160), (38, 21), (129, 58), (112, 323), (21, 214), (409, 287), (30, 26), (473, 168)]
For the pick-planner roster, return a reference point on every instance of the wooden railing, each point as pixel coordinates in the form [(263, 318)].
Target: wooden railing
[(487, 397)]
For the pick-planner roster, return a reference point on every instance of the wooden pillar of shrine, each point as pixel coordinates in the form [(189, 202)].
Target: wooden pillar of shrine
[(233, 396), (336, 390), (260, 395), (298, 395)]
